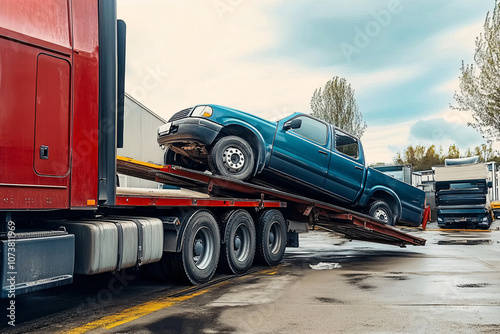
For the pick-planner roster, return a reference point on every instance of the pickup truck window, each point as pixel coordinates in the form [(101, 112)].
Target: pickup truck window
[(312, 129), (346, 144)]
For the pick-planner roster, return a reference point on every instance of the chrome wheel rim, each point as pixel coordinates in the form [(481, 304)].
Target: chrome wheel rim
[(242, 242), (233, 159), (382, 215), (274, 239), (203, 248)]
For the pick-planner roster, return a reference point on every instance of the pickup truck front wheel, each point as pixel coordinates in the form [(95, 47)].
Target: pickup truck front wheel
[(232, 156), (383, 212)]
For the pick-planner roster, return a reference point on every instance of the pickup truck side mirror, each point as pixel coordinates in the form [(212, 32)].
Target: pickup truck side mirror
[(293, 124)]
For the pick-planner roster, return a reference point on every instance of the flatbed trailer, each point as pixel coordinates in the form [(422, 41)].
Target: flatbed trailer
[(210, 222), (350, 223)]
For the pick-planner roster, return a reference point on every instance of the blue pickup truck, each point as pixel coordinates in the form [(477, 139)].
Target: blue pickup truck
[(299, 153)]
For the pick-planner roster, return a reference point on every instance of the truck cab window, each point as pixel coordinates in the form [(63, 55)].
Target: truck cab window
[(312, 129), (346, 144)]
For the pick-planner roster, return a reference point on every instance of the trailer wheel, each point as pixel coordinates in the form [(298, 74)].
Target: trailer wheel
[(200, 250), (383, 212), (271, 237), (232, 156), (238, 248)]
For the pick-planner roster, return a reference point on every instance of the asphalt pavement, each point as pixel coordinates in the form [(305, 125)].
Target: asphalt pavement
[(327, 285)]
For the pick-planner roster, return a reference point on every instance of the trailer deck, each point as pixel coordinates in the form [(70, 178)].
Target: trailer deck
[(207, 190)]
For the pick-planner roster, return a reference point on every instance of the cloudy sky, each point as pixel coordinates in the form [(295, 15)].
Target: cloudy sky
[(266, 57)]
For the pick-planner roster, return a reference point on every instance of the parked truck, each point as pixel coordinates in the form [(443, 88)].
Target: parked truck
[(462, 194), (61, 91), (300, 153)]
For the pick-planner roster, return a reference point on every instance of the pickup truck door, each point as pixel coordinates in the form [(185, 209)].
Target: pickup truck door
[(346, 168), (302, 150)]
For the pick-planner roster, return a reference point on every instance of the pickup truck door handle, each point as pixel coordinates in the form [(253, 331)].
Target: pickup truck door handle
[(360, 168), (323, 152)]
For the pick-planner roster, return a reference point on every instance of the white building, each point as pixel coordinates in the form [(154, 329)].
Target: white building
[(139, 140)]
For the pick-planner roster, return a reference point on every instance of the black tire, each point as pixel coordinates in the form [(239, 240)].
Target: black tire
[(271, 237), (238, 248), (383, 212), (487, 227), (172, 158), (200, 249), (232, 156)]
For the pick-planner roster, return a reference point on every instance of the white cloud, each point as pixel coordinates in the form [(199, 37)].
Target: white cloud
[(207, 55), (182, 53), (457, 41), (202, 49), (382, 143), (449, 87), (378, 79)]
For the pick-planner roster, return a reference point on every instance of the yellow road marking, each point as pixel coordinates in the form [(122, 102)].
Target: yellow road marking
[(147, 308), (133, 313)]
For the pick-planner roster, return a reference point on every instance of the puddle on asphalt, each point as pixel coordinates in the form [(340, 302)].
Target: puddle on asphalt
[(327, 300), (398, 278), (357, 280), (473, 285), (467, 242)]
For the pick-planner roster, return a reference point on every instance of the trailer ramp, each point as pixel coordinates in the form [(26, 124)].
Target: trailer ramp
[(352, 224)]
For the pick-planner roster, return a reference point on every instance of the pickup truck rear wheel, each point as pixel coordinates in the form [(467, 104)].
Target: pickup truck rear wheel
[(383, 212), (271, 237), (232, 156)]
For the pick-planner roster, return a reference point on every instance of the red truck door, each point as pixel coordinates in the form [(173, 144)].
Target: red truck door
[(52, 116)]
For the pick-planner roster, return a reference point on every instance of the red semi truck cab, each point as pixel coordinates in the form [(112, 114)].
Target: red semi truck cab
[(57, 70)]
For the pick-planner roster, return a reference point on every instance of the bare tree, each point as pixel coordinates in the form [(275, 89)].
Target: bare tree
[(480, 84), (335, 104)]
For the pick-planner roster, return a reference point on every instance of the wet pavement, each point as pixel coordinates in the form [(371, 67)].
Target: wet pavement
[(328, 285)]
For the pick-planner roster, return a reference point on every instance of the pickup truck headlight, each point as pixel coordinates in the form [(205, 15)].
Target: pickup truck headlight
[(205, 111)]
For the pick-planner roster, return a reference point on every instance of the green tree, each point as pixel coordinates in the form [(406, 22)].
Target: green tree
[(480, 84), (453, 152), (485, 153), (335, 104), (419, 157), (422, 158)]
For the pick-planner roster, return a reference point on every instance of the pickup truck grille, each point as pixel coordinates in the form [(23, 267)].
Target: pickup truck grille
[(180, 115)]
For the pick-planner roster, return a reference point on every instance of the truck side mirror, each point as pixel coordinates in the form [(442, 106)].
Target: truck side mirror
[(293, 124)]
